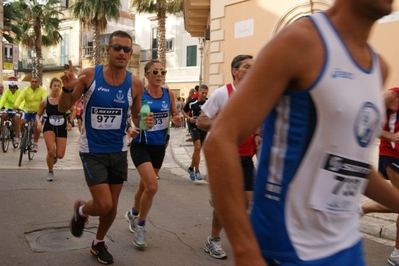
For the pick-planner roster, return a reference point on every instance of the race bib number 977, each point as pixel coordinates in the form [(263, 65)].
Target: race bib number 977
[(106, 118), (339, 184)]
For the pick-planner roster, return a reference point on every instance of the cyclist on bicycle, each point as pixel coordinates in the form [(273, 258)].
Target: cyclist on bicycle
[(7, 103), (33, 96)]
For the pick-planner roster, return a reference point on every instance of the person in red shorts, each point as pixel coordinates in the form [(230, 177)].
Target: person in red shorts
[(388, 163)]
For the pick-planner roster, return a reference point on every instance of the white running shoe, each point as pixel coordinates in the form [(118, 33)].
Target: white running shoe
[(214, 248), (130, 218), (393, 259), (34, 147), (50, 176), (139, 238)]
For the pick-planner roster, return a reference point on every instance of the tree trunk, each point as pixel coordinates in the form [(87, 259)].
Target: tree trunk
[(38, 51), (161, 16), (96, 45)]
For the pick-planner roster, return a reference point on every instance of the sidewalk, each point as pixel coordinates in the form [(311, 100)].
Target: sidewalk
[(377, 226)]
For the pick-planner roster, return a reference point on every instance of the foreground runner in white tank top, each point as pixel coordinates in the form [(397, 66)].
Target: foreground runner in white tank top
[(319, 86)]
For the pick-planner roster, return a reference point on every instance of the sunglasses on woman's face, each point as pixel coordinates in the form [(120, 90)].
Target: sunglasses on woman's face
[(118, 47), (12, 87), (156, 72)]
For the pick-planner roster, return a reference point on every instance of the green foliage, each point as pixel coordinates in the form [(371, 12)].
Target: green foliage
[(152, 7), (94, 15), (95, 12), (10, 27), (44, 19)]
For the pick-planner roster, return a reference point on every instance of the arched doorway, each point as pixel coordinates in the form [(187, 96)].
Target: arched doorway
[(300, 10)]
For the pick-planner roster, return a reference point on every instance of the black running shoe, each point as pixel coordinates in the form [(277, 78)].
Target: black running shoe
[(77, 223), (101, 251)]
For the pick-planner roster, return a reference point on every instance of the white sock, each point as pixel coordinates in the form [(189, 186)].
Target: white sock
[(81, 211), (96, 241)]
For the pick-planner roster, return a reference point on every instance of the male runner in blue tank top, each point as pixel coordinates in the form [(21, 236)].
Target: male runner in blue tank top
[(319, 86), (111, 95)]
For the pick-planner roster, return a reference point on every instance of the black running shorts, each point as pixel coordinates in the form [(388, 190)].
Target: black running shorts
[(143, 153), (248, 168), (109, 168), (387, 161)]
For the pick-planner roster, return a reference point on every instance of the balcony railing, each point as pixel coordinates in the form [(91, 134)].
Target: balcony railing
[(87, 51), (149, 54), (27, 66)]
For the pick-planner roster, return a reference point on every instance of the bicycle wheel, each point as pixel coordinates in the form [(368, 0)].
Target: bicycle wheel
[(5, 138), (29, 146), (22, 146), (12, 135)]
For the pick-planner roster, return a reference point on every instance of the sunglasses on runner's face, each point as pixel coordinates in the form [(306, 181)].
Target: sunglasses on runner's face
[(156, 72), (118, 47), (12, 87)]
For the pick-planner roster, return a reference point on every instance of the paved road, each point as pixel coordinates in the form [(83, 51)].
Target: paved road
[(178, 224)]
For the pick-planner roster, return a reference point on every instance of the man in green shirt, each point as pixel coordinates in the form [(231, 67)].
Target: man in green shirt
[(7, 102), (33, 95)]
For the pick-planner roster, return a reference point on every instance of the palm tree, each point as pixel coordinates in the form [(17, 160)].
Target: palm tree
[(160, 8), (10, 29), (39, 24), (94, 15)]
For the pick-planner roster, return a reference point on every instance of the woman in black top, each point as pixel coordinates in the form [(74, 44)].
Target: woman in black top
[(55, 126)]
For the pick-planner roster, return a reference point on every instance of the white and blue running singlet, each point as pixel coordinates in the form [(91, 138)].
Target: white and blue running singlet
[(161, 109), (315, 159), (105, 117)]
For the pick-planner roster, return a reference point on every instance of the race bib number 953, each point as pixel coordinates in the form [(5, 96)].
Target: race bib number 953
[(339, 184), (106, 118)]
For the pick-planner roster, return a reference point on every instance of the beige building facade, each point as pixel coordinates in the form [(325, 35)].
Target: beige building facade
[(232, 27)]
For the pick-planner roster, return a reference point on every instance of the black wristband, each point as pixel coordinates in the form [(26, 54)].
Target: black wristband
[(66, 90)]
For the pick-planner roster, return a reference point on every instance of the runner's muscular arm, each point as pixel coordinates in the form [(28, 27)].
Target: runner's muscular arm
[(188, 118), (78, 85), (204, 122), (185, 112), (39, 114), (382, 192), (278, 67), (137, 93), (173, 109), (391, 103), (377, 188), (72, 116), (20, 99)]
